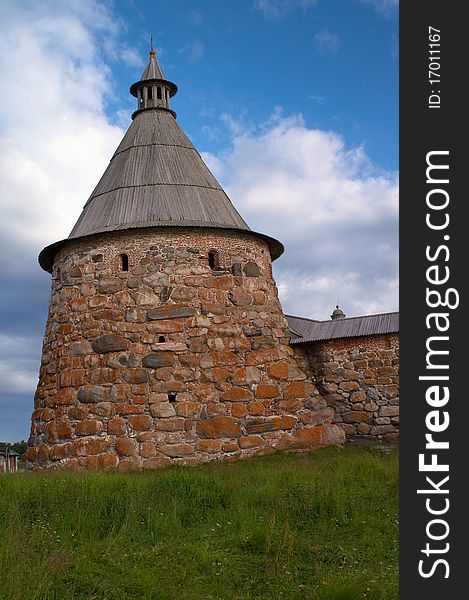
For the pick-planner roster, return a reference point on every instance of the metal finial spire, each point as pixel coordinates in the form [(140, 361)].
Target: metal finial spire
[(152, 51)]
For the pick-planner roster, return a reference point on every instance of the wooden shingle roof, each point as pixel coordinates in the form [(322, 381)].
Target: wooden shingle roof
[(308, 330), (153, 69), (156, 178)]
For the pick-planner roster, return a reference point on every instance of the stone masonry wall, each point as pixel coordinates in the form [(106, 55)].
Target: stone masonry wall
[(170, 360), (359, 378)]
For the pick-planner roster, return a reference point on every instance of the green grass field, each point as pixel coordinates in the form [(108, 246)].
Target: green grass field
[(319, 526)]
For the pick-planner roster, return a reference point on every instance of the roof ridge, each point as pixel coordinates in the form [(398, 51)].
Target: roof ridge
[(116, 153), (392, 312)]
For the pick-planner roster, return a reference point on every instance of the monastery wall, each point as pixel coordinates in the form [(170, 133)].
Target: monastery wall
[(358, 377)]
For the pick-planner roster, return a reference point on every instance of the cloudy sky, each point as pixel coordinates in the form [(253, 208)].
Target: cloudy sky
[(292, 103)]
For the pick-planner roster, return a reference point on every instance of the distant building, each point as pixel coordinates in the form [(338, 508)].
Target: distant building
[(8, 460)]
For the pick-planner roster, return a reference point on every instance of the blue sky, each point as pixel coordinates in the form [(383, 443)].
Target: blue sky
[(292, 103)]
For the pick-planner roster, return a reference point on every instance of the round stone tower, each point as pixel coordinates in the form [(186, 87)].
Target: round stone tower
[(165, 340)]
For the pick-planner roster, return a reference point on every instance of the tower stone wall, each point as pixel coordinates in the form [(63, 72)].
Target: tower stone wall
[(169, 345)]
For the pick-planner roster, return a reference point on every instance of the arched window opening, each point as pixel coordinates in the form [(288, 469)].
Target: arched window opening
[(213, 259), (150, 93), (172, 397), (161, 339), (158, 93), (124, 262)]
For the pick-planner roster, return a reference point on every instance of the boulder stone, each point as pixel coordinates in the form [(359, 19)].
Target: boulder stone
[(110, 285), (176, 450), (251, 269), (170, 311), (92, 394), (311, 437), (109, 343), (264, 424), (218, 427), (158, 359)]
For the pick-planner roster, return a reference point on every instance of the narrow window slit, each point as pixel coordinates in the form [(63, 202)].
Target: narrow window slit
[(158, 93), (172, 397), (124, 262), (213, 261), (161, 339), (150, 93)]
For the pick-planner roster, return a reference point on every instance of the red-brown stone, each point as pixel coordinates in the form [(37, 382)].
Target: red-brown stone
[(64, 429), (88, 446), (295, 389), (218, 427), (188, 409), (147, 449), (237, 394), (156, 462), (176, 450), (170, 424), (267, 390), (140, 422), (60, 451), (239, 410), (126, 446), (136, 375), (90, 427), (223, 358), (130, 409), (278, 370), (311, 437), (264, 424), (209, 446), (256, 408), (357, 417), (116, 427), (107, 461), (251, 441)]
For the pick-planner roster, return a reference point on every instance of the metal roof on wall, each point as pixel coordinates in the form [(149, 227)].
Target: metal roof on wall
[(308, 330)]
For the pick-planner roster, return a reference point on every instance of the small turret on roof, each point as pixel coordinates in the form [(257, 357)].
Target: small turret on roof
[(153, 90), (337, 313)]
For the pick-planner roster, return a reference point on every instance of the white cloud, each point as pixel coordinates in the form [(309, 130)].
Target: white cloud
[(56, 142), (195, 51), (55, 138), (18, 369), (274, 9), (327, 42), (195, 17), (318, 99), (384, 7), (333, 210)]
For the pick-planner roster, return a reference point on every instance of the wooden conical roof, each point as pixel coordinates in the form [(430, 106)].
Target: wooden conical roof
[(156, 178)]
